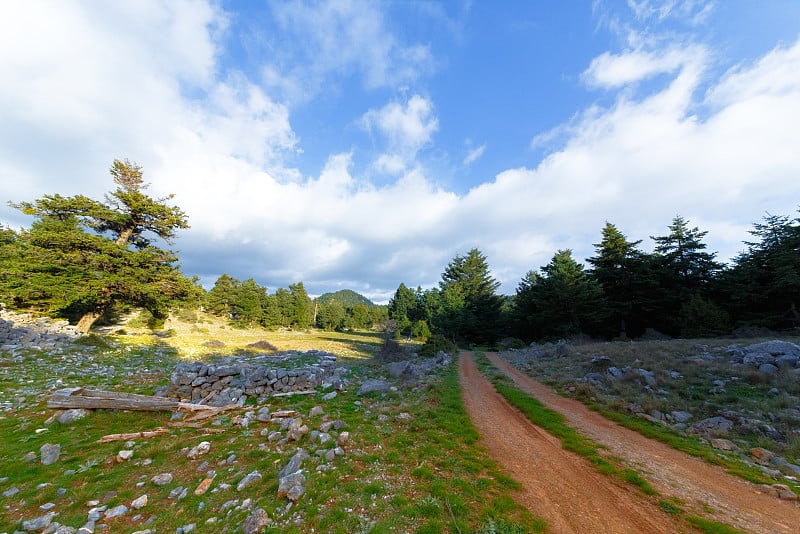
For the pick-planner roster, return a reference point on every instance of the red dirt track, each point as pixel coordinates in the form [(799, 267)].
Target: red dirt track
[(573, 497)]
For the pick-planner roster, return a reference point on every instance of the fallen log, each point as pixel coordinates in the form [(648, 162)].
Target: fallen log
[(95, 399), (133, 435)]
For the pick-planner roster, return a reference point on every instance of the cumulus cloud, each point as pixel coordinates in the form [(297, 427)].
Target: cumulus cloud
[(406, 128)]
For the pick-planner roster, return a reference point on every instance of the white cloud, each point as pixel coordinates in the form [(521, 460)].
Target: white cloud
[(474, 154), (338, 38), (406, 127), (611, 71)]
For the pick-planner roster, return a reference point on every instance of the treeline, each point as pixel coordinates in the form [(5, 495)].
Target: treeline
[(246, 303), (679, 290)]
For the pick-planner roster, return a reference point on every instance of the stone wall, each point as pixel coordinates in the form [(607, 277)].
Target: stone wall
[(219, 385), (23, 329)]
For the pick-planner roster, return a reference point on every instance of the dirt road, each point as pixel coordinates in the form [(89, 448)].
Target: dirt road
[(560, 486), (700, 485)]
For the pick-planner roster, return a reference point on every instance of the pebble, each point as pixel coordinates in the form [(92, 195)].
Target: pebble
[(10, 492), (249, 479), (116, 511), (198, 450), (47, 506)]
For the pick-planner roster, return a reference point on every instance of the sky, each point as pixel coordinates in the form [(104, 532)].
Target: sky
[(360, 144)]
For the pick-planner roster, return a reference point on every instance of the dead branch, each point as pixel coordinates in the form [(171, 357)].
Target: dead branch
[(133, 435)]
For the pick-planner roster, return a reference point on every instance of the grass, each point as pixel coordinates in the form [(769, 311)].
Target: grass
[(426, 474)]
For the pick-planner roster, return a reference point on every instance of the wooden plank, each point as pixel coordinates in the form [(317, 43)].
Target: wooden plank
[(95, 403)]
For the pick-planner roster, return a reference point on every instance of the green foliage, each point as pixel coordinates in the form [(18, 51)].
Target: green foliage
[(561, 301), (436, 343), (81, 256), (347, 297), (702, 318), (466, 306)]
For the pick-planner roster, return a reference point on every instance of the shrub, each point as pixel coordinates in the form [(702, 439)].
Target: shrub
[(436, 343)]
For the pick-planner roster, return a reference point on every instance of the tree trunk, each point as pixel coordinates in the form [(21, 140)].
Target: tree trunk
[(124, 236), (88, 319)]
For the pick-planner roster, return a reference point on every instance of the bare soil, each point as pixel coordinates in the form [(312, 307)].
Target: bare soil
[(705, 488), (557, 485)]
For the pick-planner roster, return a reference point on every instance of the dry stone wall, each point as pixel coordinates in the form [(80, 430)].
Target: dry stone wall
[(234, 383), (23, 329)]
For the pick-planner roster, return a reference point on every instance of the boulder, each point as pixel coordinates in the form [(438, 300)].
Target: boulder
[(373, 385), (49, 453), (713, 426)]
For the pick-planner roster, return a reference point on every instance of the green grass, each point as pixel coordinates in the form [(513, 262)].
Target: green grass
[(709, 526), (425, 475)]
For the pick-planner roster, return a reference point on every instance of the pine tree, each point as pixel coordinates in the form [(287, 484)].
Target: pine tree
[(468, 306), (83, 256)]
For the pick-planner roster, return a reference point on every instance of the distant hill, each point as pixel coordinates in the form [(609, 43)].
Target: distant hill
[(347, 297)]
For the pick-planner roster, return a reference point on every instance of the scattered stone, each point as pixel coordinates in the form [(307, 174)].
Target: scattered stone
[(315, 411), (185, 529), (344, 438), (768, 368), (681, 416), (249, 479), (263, 415), (70, 416), (204, 485), (256, 522), (723, 444), (291, 486), (162, 479), (198, 450), (177, 492), (784, 492), (295, 463), (403, 416), (116, 511), (139, 502), (329, 396), (762, 455), (49, 453), (38, 524), (10, 492), (713, 426), (124, 455), (373, 385), (30, 457)]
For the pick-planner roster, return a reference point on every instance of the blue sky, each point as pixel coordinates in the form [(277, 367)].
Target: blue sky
[(354, 144)]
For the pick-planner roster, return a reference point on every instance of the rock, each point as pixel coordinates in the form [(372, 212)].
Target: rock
[(601, 360), (344, 438), (648, 376), (762, 455), (10, 492), (614, 373), (295, 463), (198, 450), (263, 415), (329, 396), (249, 479), (70, 416), (768, 368), (203, 486), (139, 502), (373, 385), (162, 479), (723, 444), (124, 455), (713, 426), (594, 379), (403, 416), (774, 348), (784, 492), (256, 522), (38, 524), (291, 486), (49, 453), (681, 416), (315, 411), (116, 511)]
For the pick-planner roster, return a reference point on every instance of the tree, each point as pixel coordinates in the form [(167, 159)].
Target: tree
[(84, 256), (683, 269), (615, 267), (763, 287), (302, 308), (468, 307), (220, 298), (562, 301), (249, 301), (401, 307)]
